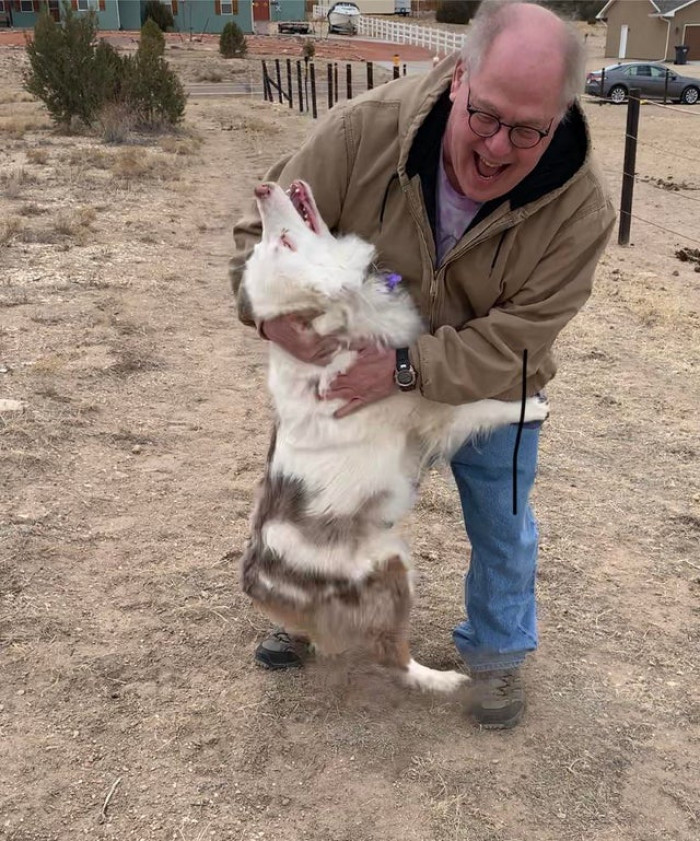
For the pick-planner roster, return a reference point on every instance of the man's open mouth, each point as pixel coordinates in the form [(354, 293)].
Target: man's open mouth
[(304, 205), (487, 169)]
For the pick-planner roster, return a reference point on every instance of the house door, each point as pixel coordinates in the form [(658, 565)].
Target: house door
[(624, 31), (55, 10), (691, 38), (261, 9)]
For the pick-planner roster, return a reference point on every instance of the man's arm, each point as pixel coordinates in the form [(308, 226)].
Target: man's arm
[(485, 358)]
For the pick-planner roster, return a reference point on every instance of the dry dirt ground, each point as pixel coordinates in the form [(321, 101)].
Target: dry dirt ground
[(129, 704)]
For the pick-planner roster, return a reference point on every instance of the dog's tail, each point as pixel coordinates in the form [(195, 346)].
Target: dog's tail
[(421, 677)]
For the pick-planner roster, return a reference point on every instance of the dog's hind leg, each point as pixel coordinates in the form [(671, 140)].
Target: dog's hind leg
[(387, 635)]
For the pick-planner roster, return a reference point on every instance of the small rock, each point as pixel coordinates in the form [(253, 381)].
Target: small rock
[(136, 449), (11, 406)]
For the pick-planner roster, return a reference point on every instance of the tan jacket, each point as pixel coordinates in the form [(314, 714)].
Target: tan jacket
[(521, 271)]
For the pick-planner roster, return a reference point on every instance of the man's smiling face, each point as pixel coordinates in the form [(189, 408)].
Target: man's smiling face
[(515, 88)]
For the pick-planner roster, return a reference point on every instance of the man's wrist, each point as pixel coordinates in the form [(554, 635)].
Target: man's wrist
[(405, 375)]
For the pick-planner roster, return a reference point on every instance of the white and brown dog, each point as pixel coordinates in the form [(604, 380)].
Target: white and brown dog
[(325, 558)]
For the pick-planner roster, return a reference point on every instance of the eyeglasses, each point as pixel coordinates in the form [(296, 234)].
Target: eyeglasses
[(486, 125)]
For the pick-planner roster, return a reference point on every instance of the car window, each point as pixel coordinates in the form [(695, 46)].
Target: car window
[(658, 72), (640, 70)]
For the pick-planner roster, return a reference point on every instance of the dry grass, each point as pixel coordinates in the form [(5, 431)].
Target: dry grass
[(117, 122), (18, 125), (182, 144), (37, 156), (32, 209), (209, 76), (15, 96), (13, 182), (9, 229), (135, 163)]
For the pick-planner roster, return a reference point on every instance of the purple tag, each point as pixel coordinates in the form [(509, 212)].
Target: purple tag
[(392, 281)]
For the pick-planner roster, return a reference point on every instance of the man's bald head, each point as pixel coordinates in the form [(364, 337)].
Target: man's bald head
[(530, 41)]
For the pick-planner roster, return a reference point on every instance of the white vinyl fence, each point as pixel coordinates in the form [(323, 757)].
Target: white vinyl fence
[(438, 41)]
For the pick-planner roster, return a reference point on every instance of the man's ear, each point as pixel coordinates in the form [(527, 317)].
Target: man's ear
[(457, 77)]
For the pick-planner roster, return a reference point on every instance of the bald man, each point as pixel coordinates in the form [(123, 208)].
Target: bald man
[(477, 186)]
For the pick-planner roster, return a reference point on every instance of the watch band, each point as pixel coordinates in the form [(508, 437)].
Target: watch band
[(405, 374)]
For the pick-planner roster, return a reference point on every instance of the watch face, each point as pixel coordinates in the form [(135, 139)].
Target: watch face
[(405, 377)]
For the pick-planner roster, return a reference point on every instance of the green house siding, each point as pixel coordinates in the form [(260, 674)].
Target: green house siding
[(23, 16), (200, 16), (129, 14), (288, 10), (195, 16)]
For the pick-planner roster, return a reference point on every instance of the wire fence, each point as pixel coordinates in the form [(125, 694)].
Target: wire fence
[(684, 149), (320, 87)]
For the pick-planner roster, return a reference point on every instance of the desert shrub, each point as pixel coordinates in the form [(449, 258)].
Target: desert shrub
[(308, 48), (152, 90), (77, 79), (152, 38), (160, 14), (456, 11), (232, 43), (116, 121), (62, 68), (108, 73)]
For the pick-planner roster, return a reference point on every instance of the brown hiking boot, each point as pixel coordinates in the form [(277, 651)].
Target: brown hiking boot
[(497, 699)]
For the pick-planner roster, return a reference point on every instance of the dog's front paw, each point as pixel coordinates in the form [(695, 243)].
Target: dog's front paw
[(537, 408)]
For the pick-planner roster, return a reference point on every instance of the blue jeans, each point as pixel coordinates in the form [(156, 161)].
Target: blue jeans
[(501, 624)]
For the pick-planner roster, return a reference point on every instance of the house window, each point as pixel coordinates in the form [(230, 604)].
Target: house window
[(229, 8), (83, 5), (27, 6)]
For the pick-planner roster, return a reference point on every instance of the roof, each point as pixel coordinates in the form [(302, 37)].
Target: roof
[(660, 8)]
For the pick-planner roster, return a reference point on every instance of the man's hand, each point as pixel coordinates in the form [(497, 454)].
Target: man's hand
[(294, 333), (370, 378)]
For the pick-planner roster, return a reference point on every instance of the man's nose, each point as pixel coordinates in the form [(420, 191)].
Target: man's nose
[(499, 143)]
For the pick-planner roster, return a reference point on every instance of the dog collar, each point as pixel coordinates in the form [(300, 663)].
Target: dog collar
[(392, 280)]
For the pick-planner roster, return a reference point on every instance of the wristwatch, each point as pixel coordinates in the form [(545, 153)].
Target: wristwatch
[(405, 375)]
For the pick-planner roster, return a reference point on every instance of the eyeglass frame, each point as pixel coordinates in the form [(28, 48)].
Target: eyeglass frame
[(472, 111)]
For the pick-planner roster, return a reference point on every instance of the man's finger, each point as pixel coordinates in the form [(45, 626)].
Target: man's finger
[(349, 408)]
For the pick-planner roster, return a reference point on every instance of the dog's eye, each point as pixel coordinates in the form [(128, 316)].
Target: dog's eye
[(287, 242)]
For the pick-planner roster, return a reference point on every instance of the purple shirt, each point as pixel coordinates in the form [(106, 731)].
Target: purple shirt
[(454, 214)]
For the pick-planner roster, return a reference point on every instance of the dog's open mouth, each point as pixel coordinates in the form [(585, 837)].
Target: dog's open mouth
[(304, 205)]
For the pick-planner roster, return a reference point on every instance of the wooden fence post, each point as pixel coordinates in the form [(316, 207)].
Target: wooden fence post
[(279, 79), (631, 132), (301, 90), (348, 76), (267, 93), (314, 110), (370, 75), (289, 82), (329, 71)]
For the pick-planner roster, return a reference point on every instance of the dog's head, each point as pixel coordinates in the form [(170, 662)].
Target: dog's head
[(298, 264)]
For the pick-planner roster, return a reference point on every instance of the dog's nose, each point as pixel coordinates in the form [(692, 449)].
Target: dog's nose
[(262, 191)]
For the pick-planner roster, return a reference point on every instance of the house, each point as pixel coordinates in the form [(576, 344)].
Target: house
[(651, 29), (190, 16)]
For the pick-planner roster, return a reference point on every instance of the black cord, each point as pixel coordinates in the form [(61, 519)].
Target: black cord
[(519, 435)]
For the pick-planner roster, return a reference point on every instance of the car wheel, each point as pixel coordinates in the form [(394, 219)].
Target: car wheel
[(618, 94), (690, 95)]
